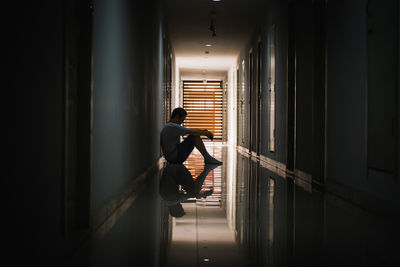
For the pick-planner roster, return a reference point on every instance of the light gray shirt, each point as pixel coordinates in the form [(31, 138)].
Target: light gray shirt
[(170, 138)]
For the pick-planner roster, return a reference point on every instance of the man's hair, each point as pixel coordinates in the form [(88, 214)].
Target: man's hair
[(178, 112)]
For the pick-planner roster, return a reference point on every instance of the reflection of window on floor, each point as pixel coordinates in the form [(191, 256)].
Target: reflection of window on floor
[(272, 75), (271, 194), (195, 165)]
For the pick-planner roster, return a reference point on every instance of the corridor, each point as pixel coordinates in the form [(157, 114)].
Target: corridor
[(256, 217), (302, 100)]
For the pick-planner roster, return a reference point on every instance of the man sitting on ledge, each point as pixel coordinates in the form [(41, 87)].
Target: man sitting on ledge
[(176, 152)]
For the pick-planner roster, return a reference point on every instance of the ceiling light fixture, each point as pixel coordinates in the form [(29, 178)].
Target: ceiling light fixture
[(208, 45)]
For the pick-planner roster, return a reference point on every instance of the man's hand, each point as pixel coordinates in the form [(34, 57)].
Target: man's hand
[(210, 135), (204, 132)]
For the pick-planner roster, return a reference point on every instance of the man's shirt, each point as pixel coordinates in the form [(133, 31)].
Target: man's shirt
[(170, 138)]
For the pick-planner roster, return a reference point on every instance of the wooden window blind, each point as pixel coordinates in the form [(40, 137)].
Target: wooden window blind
[(203, 102)]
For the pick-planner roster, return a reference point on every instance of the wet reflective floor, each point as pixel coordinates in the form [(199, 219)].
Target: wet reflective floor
[(256, 217), (241, 214)]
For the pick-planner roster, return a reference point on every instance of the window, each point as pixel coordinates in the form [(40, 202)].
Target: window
[(203, 101)]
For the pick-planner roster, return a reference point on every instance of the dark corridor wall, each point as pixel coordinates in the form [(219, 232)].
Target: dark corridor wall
[(336, 96), (127, 83), (34, 108), (44, 89)]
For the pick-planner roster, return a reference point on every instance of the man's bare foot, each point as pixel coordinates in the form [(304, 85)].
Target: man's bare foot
[(210, 160)]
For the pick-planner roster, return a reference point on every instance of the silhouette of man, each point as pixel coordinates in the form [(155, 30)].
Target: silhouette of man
[(176, 152), (175, 175)]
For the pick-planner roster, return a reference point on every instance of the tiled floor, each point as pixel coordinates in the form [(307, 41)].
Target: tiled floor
[(258, 218), (255, 217), (203, 237)]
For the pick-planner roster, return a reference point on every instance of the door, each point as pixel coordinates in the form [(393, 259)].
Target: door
[(259, 97), (78, 117), (251, 132)]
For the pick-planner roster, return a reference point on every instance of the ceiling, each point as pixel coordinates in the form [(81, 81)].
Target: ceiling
[(188, 24)]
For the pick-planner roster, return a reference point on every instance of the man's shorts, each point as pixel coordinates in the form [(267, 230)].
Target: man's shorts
[(185, 148)]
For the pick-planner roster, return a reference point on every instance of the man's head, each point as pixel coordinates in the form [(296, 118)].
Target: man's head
[(178, 115)]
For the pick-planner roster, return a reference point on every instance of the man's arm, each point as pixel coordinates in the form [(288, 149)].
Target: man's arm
[(200, 132)]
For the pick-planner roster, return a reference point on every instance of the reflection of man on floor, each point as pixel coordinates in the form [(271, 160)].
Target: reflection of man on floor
[(176, 152), (175, 175)]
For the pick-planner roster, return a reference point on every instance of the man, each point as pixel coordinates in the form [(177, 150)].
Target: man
[(176, 152)]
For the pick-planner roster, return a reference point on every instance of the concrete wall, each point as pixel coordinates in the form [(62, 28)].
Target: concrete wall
[(346, 91), (34, 111), (304, 45), (127, 115), (276, 13), (343, 92), (347, 104), (127, 94)]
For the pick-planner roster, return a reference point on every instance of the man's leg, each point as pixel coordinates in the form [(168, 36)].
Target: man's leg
[(185, 148), (200, 145), (207, 157)]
